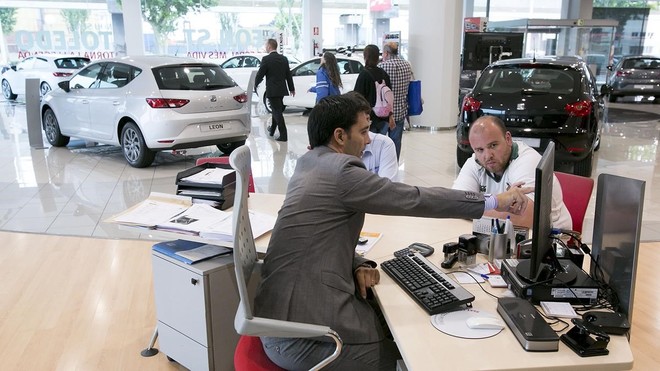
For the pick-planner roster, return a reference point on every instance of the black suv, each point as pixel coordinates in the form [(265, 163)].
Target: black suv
[(540, 100)]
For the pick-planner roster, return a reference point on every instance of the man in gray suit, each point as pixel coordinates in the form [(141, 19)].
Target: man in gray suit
[(275, 67), (311, 273)]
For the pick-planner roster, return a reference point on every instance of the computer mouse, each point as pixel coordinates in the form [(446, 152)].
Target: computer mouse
[(485, 323)]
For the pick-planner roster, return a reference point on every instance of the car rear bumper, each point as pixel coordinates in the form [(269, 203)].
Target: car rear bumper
[(171, 130), (635, 89)]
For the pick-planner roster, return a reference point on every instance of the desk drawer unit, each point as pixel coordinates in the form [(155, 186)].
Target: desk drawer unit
[(195, 306)]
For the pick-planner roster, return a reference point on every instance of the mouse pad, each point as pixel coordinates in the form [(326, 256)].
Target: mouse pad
[(453, 323)]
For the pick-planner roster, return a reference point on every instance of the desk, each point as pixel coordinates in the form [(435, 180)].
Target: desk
[(421, 345), (425, 348)]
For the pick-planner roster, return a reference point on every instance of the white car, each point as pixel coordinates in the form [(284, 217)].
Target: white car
[(49, 69), (304, 77), (240, 67), (146, 104)]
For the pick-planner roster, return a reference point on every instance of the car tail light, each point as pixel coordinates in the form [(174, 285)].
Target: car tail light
[(241, 98), (62, 74), (579, 109), (470, 104), (166, 103), (623, 73)]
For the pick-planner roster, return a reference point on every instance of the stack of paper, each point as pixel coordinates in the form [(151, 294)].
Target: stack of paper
[(180, 215)]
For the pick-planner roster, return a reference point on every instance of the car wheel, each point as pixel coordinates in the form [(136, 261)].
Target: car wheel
[(44, 88), (227, 148), (134, 148), (267, 105), (6, 90), (584, 167), (461, 157), (612, 98), (52, 130)]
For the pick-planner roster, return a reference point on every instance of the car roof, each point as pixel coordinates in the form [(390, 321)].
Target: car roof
[(153, 61), (566, 61), (640, 56)]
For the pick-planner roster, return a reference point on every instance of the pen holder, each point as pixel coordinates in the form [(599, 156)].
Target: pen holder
[(497, 246)]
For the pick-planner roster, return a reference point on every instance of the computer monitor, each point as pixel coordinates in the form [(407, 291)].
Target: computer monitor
[(482, 48), (616, 237), (535, 269)]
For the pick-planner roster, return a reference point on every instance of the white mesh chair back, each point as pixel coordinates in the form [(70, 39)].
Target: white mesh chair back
[(245, 262)]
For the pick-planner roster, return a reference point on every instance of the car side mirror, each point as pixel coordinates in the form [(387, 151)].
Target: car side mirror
[(610, 67), (605, 90), (64, 85)]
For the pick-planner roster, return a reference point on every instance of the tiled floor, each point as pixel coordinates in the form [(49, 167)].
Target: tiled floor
[(73, 190)]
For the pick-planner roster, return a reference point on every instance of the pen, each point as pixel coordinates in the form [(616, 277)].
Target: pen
[(484, 276)]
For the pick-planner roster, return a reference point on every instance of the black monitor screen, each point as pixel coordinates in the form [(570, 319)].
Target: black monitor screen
[(480, 49), (542, 226), (617, 227)]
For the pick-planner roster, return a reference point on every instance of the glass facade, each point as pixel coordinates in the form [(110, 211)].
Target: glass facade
[(219, 29)]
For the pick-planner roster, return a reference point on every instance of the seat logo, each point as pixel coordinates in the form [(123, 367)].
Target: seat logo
[(214, 98)]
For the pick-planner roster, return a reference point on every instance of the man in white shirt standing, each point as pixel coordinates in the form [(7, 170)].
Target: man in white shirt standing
[(499, 163), (379, 156)]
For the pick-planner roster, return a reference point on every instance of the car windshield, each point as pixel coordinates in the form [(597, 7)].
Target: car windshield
[(73, 63), (532, 79), (641, 63), (192, 77)]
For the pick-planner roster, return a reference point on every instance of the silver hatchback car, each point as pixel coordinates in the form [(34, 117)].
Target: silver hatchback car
[(146, 104), (635, 75)]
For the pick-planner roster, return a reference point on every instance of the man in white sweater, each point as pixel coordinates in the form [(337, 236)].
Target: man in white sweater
[(499, 163)]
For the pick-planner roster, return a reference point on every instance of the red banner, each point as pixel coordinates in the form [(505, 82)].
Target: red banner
[(380, 5)]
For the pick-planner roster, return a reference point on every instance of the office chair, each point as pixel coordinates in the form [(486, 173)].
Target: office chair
[(576, 191), (224, 160), (246, 266)]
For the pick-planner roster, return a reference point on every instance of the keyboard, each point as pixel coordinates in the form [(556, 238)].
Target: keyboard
[(428, 285)]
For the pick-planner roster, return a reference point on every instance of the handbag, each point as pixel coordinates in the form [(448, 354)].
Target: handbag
[(415, 105)]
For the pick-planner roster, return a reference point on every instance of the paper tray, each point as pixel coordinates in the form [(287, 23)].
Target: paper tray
[(229, 179)]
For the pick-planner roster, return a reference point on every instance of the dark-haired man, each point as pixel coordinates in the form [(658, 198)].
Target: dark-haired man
[(275, 67), (499, 163), (311, 273)]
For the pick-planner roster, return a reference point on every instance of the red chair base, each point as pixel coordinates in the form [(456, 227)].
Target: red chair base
[(250, 356)]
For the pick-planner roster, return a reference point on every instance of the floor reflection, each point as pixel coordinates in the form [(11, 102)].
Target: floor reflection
[(72, 190)]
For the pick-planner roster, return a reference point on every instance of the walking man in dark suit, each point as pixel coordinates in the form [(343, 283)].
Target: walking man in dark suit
[(275, 67)]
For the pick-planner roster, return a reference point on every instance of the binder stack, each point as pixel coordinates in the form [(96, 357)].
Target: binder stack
[(211, 183)]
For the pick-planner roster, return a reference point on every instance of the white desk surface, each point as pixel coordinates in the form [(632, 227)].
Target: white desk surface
[(422, 346)]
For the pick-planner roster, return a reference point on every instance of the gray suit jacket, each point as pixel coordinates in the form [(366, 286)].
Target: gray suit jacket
[(308, 269)]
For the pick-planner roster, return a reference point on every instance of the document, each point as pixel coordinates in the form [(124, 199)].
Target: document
[(223, 230), (157, 208), (208, 176), (196, 218), (179, 214), (371, 239), (190, 252)]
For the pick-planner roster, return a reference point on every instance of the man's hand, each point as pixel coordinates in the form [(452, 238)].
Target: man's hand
[(514, 200), (366, 277), (392, 122)]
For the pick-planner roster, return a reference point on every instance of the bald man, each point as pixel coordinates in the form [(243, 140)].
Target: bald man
[(499, 163)]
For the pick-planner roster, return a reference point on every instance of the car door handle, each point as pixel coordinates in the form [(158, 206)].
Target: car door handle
[(115, 103), (84, 101)]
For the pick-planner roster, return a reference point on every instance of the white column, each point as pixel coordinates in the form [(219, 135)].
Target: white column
[(312, 19), (434, 50), (133, 26)]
